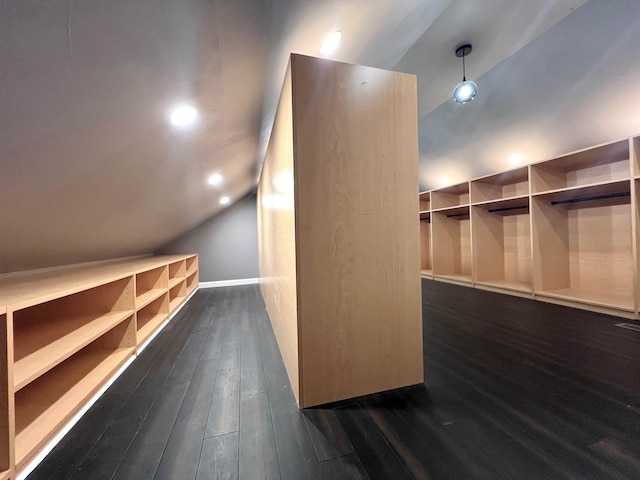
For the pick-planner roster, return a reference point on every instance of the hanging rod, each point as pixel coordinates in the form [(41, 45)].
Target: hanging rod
[(505, 209), (458, 215), (595, 197)]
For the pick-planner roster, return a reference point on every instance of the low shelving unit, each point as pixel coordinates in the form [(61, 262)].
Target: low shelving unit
[(564, 230), (67, 332)]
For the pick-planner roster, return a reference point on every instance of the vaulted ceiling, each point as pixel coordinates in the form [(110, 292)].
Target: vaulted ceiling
[(90, 167)]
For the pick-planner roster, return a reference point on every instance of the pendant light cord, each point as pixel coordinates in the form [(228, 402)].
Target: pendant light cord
[(464, 73)]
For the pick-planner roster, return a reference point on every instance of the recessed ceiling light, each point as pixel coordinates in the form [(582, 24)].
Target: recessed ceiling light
[(444, 181), (224, 200), (515, 159), (183, 116), (215, 180), (331, 43)]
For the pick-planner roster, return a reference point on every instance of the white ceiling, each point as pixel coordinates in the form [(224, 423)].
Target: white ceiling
[(90, 168)]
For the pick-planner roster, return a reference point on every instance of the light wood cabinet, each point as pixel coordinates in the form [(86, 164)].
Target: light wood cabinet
[(338, 242), (67, 332), (563, 230)]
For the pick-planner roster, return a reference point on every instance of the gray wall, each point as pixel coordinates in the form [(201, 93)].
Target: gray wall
[(227, 244)]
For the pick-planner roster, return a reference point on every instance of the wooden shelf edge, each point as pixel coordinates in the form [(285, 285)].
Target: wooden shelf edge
[(523, 293), (40, 357), (506, 285), (580, 187), (585, 301), (148, 297), (19, 292), (5, 475), (174, 282), (457, 279)]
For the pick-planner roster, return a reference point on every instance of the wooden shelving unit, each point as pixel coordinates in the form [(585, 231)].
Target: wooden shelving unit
[(67, 332), (564, 230), (454, 196)]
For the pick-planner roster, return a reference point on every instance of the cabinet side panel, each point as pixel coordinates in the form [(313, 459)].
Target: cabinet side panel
[(6, 393), (355, 143), (276, 236)]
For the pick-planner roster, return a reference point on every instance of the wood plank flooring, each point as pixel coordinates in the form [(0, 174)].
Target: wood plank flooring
[(514, 389)]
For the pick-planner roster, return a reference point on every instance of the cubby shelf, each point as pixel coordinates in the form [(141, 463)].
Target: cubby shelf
[(563, 230), (47, 404), (454, 196), (151, 317), (67, 331), (38, 351), (451, 237)]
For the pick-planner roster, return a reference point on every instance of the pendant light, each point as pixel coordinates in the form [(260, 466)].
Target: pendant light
[(466, 90)]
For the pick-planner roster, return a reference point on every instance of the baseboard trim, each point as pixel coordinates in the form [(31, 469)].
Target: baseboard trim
[(229, 283)]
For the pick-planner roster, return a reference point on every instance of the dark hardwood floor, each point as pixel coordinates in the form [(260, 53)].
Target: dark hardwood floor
[(514, 389)]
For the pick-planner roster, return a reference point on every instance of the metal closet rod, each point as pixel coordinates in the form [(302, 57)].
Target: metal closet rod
[(505, 209), (458, 215), (594, 197)]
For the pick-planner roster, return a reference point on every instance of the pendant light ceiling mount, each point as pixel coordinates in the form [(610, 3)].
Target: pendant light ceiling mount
[(464, 50), (466, 90)]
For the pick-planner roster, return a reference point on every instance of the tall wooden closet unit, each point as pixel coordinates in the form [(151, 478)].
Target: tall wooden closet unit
[(338, 242)]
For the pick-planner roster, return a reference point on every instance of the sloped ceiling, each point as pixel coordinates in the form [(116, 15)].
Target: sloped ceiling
[(91, 169)]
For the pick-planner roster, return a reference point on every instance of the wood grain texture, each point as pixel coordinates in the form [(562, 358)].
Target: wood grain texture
[(358, 247), (276, 235), (343, 152)]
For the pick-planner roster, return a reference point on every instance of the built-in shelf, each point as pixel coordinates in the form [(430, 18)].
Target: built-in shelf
[(514, 183), (502, 244), (454, 196), (151, 284), (151, 317), (425, 201), (177, 295), (605, 163), (563, 230), (70, 330), (48, 403), (40, 349), (451, 238)]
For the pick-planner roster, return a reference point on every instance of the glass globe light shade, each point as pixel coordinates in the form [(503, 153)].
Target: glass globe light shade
[(465, 91)]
